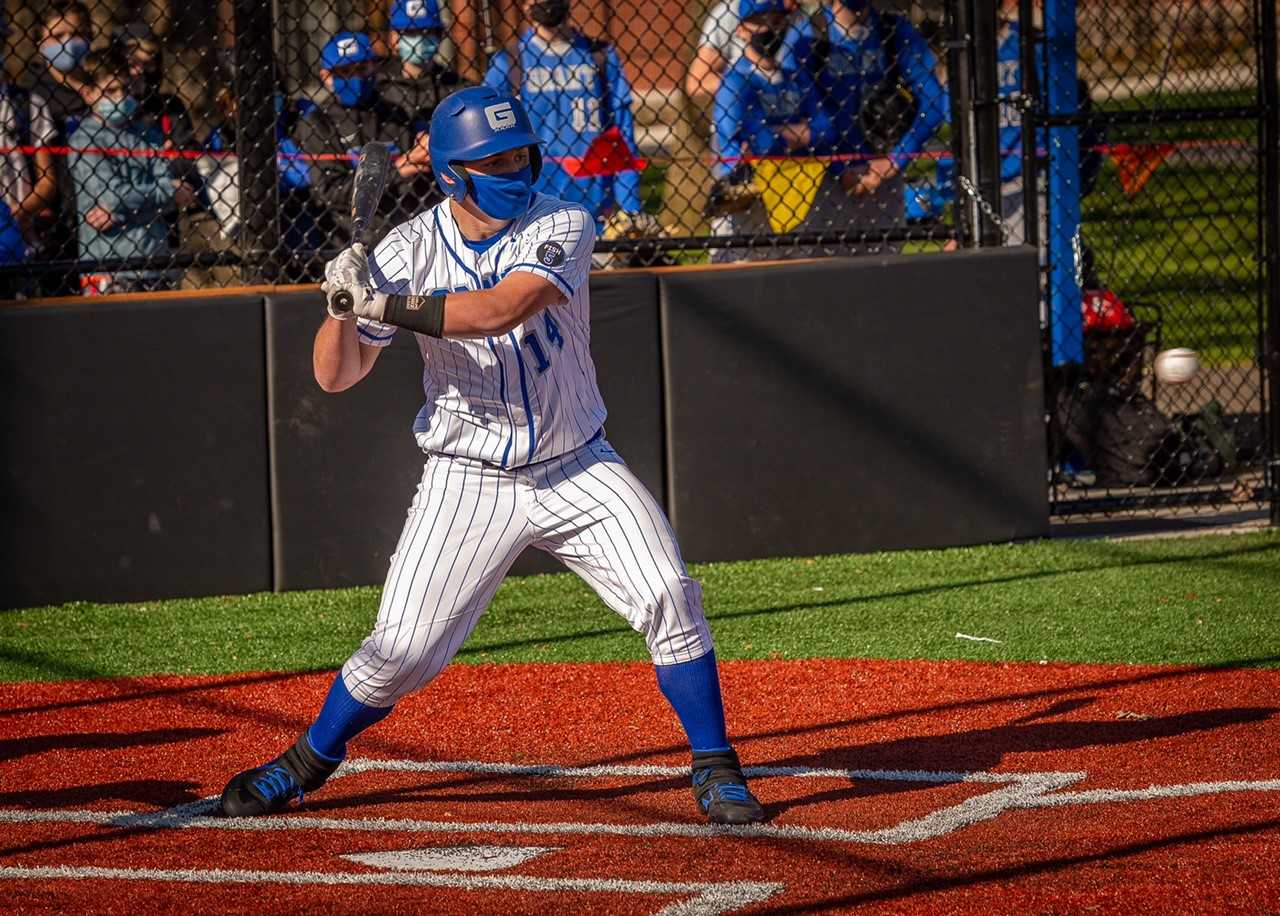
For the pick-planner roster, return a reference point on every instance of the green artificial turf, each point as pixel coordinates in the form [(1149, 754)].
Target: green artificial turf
[(1208, 600)]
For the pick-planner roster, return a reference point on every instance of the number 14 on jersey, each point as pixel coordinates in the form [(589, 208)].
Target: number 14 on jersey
[(534, 344)]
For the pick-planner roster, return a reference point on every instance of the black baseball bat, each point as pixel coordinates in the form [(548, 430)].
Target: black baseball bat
[(366, 191)]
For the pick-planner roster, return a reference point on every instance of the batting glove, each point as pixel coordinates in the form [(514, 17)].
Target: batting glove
[(349, 272)]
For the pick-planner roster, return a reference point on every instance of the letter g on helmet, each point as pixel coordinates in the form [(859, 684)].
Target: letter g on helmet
[(473, 123)]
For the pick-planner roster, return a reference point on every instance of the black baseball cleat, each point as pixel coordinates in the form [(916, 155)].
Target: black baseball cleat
[(273, 786), (721, 790)]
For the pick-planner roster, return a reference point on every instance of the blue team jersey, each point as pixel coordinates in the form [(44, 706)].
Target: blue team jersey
[(752, 104), (858, 62), (1009, 78), (572, 91)]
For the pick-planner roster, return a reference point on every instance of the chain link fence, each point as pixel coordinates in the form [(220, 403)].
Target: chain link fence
[(163, 145), (150, 144), (1153, 182)]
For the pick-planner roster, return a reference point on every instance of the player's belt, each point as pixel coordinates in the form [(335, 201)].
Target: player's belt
[(493, 464)]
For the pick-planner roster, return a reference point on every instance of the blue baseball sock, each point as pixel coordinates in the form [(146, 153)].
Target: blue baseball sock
[(693, 690), (341, 718)]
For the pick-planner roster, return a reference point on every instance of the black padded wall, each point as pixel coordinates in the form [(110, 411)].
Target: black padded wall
[(855, 404), (134, 450), (345, 466)]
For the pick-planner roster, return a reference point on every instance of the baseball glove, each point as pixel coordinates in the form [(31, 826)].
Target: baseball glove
[(734, 193), (623, 225)]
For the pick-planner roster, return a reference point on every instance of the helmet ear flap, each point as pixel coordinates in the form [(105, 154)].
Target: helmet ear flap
[(458, 183)]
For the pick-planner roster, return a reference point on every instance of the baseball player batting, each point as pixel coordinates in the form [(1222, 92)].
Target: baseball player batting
[(493, 283)]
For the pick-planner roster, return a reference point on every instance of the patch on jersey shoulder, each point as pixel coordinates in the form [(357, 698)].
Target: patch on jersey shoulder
[(550, 254)]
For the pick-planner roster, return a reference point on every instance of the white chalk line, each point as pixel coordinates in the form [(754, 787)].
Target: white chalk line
[(556, 771), (708, 899), (1019, 791), (1187, 790), (451, 858), (1019, 787)]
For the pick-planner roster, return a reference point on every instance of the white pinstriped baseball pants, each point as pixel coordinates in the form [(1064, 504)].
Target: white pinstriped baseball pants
[(468, 523)]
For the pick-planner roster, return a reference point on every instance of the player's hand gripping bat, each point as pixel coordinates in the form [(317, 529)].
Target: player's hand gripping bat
[(422, 314), (366, 191)]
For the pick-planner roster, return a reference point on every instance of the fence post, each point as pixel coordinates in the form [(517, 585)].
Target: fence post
[(1269, 97), (1067, 332), (1028, 104), (959, 68), (986, 115), (256, 139)]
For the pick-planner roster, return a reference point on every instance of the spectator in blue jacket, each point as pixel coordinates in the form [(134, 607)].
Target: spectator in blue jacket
[(574, 89), (760, 110), (122, 192), (857, 55)]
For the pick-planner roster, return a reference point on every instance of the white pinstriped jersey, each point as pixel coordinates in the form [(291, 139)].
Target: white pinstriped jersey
[(520, 398)]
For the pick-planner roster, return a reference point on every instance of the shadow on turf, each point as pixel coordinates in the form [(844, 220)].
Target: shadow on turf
[(145, 691), (1131, 560), (984, 749), (13, 748), (926, 884), (161, 793), (975, 750)]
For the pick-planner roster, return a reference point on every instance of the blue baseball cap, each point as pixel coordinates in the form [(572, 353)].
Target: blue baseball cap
[(407, 15), (346, 48), (749, 8)]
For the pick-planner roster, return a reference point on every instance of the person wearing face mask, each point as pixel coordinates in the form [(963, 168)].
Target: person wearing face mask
[(142, 49), (355, 113), (416, 79), (760, 110), (123, 193), (57, 76), (575, 90), (58, 73), (493, 284), (862, 60)]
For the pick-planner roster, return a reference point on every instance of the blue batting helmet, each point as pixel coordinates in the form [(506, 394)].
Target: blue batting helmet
[(473, 123)]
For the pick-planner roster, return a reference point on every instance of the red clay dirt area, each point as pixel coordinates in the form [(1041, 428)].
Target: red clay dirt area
[(895, 786)]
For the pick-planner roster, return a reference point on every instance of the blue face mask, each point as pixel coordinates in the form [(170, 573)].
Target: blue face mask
[(65, 56), (503, 196), (355, 92), (418, 49), (116, 113)]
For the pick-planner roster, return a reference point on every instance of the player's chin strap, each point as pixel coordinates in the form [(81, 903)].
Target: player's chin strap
[(420, 314)]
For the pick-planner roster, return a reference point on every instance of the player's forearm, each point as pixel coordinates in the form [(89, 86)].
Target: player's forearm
[(487, 312), (337, 358)]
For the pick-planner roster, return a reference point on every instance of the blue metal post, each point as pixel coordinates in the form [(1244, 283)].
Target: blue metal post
[(1065, 325)]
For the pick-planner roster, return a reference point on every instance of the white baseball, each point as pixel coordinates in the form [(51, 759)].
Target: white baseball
[(1173, 367)]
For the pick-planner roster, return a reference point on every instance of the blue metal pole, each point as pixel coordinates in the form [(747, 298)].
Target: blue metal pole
[(1066, 327)]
